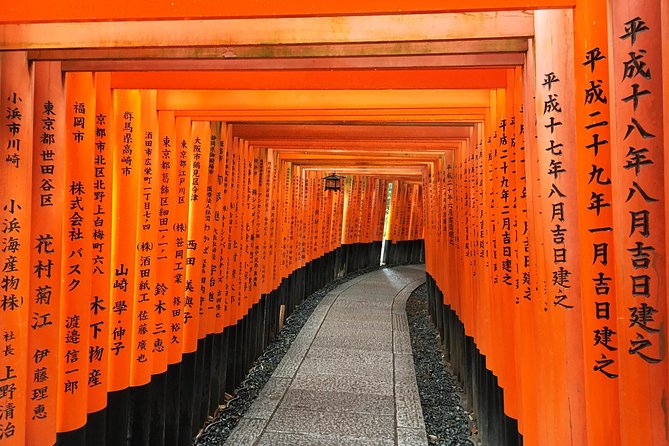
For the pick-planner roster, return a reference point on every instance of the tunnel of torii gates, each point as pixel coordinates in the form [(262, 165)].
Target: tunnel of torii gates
[(162, 203)]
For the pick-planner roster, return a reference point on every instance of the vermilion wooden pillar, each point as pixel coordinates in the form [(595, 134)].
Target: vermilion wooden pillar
[(126, 170), (538, 274), (448, 285), (492, 230), (207, 288), (194, 257), (526, 296), (76, 269), (16, 139), (511, 239), (101, 245), (235, 232), (480, 280), (200, 138), (182, 130), (48, 170), (165, 292), (595, 211), (145, 270), (638, 180), (144, 308), (665, 104), (220, 228), (557, 170), (226, 217)]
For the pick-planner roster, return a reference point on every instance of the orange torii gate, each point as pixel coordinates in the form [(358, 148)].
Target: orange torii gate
[(159, 204)]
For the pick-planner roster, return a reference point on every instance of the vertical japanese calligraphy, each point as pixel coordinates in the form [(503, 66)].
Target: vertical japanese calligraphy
[(101, 244), (145, 306), (76, 252), (557, 156), (46, 234), (596, 210), (16, 143), (126, 171), (180, 227), (165, 243), (639, 224)]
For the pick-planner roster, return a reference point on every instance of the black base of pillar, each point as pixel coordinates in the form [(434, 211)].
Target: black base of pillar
[(139, 418), (96, 428), (481, 385), (117, 416), (158, 409), (72, 438), (172, 404), (404, 252), (187, 397)]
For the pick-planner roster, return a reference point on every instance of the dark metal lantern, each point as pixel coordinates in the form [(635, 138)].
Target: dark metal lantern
[(332, 182)]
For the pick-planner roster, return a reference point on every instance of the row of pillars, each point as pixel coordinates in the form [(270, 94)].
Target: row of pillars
[(547, 236), (129, 235)]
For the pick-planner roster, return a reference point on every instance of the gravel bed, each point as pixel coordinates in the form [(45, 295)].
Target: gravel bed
[(217, 429), (446, 421)]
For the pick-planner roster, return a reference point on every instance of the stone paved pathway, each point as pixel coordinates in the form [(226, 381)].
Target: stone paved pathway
[(348, 378)]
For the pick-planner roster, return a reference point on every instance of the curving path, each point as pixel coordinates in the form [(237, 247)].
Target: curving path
[(348, 378)]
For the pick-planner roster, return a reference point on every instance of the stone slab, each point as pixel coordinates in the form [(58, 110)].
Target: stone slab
[(355, 425), (302, 439), (338, 402), (355, 315), (343, 354), (352, 341), (352, 326), (411, 437), (339, 383), (381, 370)]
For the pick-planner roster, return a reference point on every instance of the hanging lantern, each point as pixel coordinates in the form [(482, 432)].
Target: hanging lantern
[(332, 182)]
